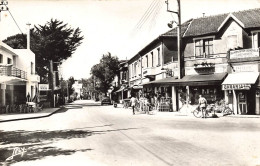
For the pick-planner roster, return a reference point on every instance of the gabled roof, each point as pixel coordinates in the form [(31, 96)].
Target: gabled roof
[(212, 24), (205, 25)]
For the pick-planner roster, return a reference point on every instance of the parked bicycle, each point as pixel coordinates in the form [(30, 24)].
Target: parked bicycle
[(198, 112), (222, 107), (211, 110)]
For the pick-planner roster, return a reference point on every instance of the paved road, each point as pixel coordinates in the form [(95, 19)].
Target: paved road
[(90, 134)]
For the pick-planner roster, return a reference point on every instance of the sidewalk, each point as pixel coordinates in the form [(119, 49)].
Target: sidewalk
[(186, 113), (46, 112)]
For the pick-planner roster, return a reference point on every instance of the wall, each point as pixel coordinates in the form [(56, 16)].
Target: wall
[(170, 50), (221, 45)]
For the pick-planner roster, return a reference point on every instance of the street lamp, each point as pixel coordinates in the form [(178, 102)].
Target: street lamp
[(180, 59)]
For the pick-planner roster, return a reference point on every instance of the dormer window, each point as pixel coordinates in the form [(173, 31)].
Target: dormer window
[(203, 48)]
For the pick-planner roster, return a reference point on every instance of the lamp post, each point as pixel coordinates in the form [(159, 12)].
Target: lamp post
[(180, 58)]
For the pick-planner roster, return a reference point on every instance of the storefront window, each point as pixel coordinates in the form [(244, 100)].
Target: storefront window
[(212, 94)]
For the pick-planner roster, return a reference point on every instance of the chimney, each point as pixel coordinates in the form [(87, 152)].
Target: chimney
[(28, 36)]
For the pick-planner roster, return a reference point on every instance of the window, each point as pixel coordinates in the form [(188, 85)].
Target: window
[(147, 65), (32, 68), (152, 58), (9, 61), (256, 41), (135, 68), (203, 48), (1, 58), (159, 57), (232, 41)]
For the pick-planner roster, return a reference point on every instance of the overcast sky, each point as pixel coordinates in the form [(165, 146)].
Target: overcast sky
[(110, 25)]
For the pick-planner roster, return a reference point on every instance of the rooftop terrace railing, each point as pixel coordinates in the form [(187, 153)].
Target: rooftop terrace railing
[(12, 71)]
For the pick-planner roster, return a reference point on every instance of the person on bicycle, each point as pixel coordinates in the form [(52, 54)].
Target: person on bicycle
[(133, 100), (202, 105)]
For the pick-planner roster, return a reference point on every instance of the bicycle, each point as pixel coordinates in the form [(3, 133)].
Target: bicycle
[(208, 111), (223, 108)]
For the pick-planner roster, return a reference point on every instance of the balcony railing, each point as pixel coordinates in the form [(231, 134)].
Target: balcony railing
[(244, 53), (12, 71)]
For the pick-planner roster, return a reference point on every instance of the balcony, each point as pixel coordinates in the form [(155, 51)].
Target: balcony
[(149, 72), (12, 72), (244, 53)]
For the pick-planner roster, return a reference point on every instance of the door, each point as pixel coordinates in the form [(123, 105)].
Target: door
[(242, 102)]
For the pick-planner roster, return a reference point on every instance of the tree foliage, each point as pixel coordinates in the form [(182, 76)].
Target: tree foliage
[(53, 41), (105, 71), (71, 81)]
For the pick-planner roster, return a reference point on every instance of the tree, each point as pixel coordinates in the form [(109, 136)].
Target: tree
[(104, 72), (71, 81), (53, 41)]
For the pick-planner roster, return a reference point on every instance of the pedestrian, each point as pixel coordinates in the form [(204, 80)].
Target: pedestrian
[(133, 100), (202, 105)]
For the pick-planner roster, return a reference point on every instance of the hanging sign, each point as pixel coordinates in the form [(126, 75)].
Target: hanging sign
[(44, 87), (236, 87)]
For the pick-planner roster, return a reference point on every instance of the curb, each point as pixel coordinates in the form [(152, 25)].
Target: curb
[(35, 117)]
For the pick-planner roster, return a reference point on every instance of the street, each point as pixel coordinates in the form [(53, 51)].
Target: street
[(89, 134)]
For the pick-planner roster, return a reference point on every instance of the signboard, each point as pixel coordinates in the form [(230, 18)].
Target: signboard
[(44, 87), (245, 53), (246, 68), (236, 87)]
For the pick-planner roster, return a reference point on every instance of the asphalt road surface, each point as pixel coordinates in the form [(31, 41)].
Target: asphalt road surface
[(89, 134)]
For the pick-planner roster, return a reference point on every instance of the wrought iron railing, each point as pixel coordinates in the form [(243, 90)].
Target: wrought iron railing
[(12, 71)]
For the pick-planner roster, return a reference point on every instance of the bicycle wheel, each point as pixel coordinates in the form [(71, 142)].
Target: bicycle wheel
[(197, 113), (227, 111)]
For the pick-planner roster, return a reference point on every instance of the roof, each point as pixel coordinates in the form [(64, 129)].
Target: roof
[(173, 32), (212, 24)]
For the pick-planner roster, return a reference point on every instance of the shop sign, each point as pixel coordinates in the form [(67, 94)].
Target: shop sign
[(43, 87), (246, 68), (245, 53), (236, 87)]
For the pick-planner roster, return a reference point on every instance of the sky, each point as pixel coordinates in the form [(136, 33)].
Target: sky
[(121, 27)]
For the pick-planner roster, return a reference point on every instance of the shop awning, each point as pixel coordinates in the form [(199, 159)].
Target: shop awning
[(241, 80), (191, 80)]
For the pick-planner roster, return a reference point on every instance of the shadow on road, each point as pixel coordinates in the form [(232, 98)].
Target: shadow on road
[(38, 144)]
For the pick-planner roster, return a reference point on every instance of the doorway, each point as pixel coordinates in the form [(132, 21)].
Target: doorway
[(242, 102)]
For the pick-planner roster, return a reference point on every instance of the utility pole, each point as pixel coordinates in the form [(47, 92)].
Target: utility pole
[(180, 58), (51, 83)]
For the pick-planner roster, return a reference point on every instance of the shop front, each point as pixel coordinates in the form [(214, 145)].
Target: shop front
[(188, 89), (242, 92)]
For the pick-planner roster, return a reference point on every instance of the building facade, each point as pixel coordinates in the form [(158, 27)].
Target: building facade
[(18, 79), (218, 51)]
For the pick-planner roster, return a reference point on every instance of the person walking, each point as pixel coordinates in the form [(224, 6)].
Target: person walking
[(133, 100), (202, 105)]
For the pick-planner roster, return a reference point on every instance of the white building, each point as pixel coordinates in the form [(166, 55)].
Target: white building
[(17, 75)]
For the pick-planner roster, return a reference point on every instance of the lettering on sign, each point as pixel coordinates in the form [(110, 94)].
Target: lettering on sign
[(236, 87), (245, 53), (43, 87), (246, 68)]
